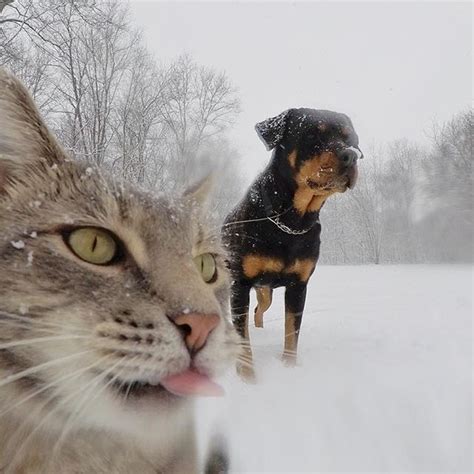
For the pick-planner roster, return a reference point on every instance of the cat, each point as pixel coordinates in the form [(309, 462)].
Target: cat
[(113, 311)]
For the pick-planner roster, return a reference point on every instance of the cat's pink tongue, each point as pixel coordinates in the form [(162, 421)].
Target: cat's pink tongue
[(192, 383)]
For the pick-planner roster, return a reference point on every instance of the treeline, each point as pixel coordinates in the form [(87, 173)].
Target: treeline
[(412, 203), (111, 103), (164, 126)]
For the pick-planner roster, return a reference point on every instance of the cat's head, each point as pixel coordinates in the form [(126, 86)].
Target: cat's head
[(105, 291)]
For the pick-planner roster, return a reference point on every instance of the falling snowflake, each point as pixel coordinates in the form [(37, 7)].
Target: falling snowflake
[(18, 244)]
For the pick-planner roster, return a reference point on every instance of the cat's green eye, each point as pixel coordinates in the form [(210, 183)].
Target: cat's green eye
[(206, 264), (93, 245)]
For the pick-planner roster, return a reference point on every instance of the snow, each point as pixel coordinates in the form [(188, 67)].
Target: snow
[(18, 244), (356, 150), (30, 258), (383, 383)]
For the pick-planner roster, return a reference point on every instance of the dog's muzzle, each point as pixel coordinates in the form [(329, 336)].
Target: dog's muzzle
[(348, 157)]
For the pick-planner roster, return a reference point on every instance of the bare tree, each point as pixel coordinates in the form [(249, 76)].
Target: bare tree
[(140, 145), (199, 104), (105, 95), (164, 126), (448, 223)]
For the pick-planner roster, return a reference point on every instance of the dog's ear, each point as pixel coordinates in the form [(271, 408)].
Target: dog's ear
[(271, 130)]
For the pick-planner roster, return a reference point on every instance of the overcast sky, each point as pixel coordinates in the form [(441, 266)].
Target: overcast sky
[(393, 67)]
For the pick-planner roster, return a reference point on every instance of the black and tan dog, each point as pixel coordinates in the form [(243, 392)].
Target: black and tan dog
[(274, 232)]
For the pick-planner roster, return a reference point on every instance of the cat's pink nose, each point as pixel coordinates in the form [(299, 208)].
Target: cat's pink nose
[(196, 328)]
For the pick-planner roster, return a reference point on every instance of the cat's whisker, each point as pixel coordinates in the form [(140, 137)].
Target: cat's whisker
[(16, 325), (38, 368), (245, 348), (247, 221), (69, 423), (245, 363), (34, 321), (38, 340), (268, 321), (219, 228), (54, 383), (243, 342), (249, 237), (271, 351), (260, 346), (129, 384), (127, 393), (26, 441), (232, 342), (245, 356), (23, 446)]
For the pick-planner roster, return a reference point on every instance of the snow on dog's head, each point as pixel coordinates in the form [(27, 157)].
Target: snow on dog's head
[(320, 148)]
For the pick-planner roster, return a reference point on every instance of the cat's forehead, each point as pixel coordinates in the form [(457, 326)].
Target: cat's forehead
[(156, 229), (151, 224), (150, 214)]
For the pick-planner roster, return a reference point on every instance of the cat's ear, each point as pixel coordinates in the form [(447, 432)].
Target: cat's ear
[(201, 191), (26, 145)]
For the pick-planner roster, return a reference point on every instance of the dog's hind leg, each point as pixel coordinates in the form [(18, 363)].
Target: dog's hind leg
[(264, 300), (240, 296), (295, 296)]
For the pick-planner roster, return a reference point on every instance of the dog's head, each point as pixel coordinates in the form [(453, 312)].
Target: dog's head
[(320, 146)]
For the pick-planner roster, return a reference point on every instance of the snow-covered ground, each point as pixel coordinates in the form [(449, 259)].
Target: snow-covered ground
[(383, 382)]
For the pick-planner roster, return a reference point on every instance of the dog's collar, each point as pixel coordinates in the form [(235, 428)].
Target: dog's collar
[(275, 220)]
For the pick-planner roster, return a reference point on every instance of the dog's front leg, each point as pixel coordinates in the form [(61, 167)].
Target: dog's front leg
[(240, 297), (264, 301), (295, 297)]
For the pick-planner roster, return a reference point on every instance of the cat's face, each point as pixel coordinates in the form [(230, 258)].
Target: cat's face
[(99, 285)]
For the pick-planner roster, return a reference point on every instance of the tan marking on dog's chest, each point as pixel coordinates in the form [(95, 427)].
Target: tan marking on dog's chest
[(305, 200), (316, 169)]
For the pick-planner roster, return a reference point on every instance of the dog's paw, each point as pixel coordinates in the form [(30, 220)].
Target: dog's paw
[(288, 359)]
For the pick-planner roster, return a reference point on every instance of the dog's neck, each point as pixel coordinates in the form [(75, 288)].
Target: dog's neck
[(297, 207)]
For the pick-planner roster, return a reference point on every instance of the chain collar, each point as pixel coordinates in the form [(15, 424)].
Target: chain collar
[(275, 219), (287, 229)]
